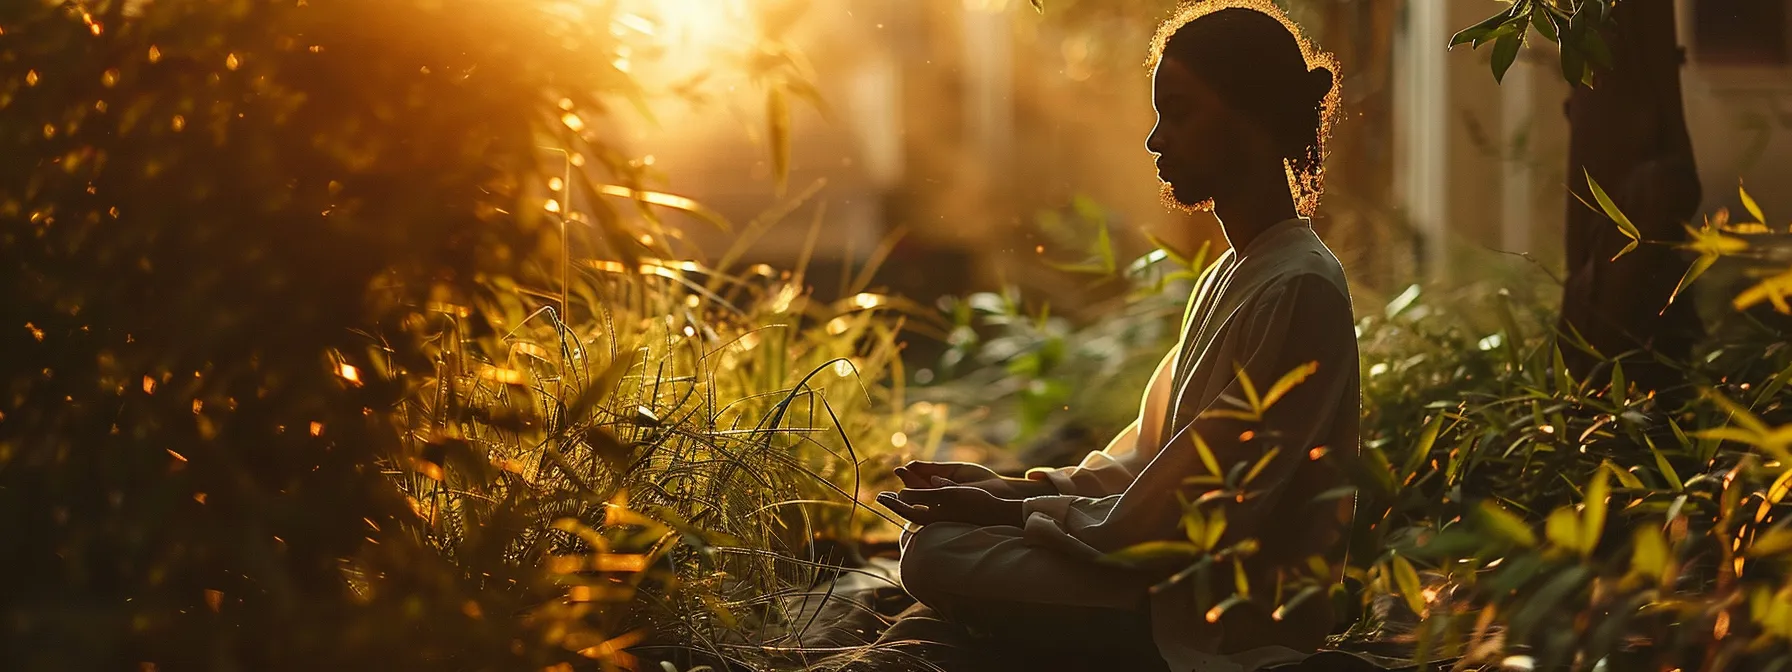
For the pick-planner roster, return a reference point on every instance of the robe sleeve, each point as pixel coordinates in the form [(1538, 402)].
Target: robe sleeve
[(1111, 470), (1292, 323)]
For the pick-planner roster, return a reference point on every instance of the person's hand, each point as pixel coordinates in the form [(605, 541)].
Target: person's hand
[(919, 474), (953, 504)]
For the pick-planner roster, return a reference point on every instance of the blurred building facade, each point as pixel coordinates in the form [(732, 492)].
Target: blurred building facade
[(956, 122)]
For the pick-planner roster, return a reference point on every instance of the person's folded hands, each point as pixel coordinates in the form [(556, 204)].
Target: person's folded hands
[(952, 504)]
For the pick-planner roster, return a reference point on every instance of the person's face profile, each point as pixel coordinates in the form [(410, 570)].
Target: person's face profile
[(1191, 142)]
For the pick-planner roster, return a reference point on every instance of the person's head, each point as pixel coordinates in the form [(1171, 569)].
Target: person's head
[(1241, 97)]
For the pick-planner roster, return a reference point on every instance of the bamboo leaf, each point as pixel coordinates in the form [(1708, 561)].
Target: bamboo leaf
[(1593, 517), (1206, 454), (1749, 204), (1288, 382), (1504, 524), (1649, 553), (1699, 266), (1262, 463), (1240, 582), (1427, 439), (1216, 527), (1562, 528), (1407, 579), (1194, 526), (1039, 6), (1667, 469), (1776, 541), (1777, 491), (1611, 211), (1772, 290), (1250, 390), (1152, 552)]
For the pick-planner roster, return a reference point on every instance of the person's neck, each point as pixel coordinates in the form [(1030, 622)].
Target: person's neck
[(1247, 212)]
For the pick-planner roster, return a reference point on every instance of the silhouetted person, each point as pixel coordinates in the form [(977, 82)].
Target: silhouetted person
[(1243, 105)]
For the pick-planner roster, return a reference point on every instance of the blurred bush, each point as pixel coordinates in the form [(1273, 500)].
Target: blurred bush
[(225, 225)]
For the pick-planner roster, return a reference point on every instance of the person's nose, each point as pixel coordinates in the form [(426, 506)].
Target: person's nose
[(1155, 142)]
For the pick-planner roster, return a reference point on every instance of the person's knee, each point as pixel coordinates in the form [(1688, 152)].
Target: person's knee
[(923, 569)]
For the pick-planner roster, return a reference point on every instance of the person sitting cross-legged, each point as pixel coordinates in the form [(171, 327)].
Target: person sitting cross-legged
[(1243, 106)]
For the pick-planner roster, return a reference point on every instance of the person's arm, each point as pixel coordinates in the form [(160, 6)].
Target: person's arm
[(1307, 320), (1112, 469)]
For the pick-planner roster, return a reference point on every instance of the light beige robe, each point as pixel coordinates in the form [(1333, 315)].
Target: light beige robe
[(1269, 308)]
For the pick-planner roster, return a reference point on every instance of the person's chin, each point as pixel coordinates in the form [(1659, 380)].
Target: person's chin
[(1181, 199)]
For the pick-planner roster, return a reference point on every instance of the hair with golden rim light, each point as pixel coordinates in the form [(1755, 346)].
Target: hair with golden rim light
[(1306, 182)]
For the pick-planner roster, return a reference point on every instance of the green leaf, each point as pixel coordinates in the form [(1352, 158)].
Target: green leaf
[(1781, 485), (1479, 31), (1698, 268), (1593, 517), (1206, 454), (1593, 45), (1776, 541), (1773, 387), (1427, 439), (1403, 301), (1194, 526), (1574, 66), (1611, 209), (1649, 553), (1667, 469), (1240, 582), (1153, 552), (1216, 527), (1545, 25), (1250, 390), (1505, 52), (1748, 203), (1262, 463), (1562, 528), (1625, 478), (1288, 382), (1505, 524), (1620, 387), (1407, 579)]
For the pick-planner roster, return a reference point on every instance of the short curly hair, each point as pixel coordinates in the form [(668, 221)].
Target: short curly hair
[(1252, 52)]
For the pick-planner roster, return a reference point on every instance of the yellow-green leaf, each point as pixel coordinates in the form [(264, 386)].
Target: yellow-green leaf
[(1698, 268), (1777, 491), (1216, 527), (1153, 551), (1708, 240), (1612, 211), (1649, 557), (1262, 463), (1775, 541), (1207, 458), (1667, 469), (1625, 478), (1772, 290), (1407, 579), (1239, 580), (1748, 203), (1288, 382), (1250, 391), (1505, 524), (1593, 518), (1563, 528)]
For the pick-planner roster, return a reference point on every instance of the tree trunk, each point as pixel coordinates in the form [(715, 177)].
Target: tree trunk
[(1629, 132)]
